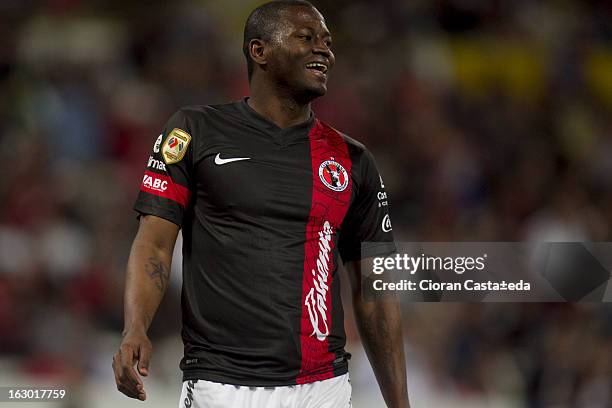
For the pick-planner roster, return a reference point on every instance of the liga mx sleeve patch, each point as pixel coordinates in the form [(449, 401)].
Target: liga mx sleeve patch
[(175, 146)]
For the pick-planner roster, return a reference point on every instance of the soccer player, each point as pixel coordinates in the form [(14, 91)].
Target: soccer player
[(269, 199)]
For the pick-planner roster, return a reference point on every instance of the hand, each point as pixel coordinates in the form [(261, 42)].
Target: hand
[(135, 347)]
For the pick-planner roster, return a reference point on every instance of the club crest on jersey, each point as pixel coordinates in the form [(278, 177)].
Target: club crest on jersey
[(175, 146), (333, 175)]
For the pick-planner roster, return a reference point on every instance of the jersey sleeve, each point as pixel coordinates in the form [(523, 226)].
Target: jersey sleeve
[(366, 230), (165, 188)]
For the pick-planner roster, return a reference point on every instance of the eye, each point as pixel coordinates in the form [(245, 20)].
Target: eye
[(306, 37)]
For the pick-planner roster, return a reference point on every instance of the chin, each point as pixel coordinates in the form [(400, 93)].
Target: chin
[(306, 91), (316, 91), (319, 92)]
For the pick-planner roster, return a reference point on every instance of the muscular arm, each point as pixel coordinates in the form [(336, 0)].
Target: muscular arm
[(148, 271), (147, 277), (380, 328)]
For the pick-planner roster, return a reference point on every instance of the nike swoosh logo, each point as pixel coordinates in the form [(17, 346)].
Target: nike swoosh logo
[(219, 161)]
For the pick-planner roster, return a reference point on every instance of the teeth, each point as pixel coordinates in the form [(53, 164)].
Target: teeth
[(317, 65)]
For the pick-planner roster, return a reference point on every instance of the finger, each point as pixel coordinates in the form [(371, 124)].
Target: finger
[(128, 358), (142, 395), (116, 369), (130, 389), (143, 359), (120, 378), (126, 391), (131, 393), (127, 386), (128, 378), (124, 384)]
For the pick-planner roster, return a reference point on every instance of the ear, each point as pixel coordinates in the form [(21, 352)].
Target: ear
[(257, 50)]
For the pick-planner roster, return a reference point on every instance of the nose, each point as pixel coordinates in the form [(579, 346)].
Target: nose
[(320, 47)]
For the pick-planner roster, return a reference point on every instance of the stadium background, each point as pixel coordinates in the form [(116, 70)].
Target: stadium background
[(490, 121)]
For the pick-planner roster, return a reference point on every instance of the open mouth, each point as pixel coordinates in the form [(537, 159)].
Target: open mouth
[(317, 66)]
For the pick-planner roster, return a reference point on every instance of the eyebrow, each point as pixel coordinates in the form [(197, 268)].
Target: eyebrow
[(326, 33)]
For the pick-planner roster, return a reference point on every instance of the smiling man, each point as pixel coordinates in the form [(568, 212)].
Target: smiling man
[(269, 199)]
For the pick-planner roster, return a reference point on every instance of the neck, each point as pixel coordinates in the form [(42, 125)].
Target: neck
[(282, 108)]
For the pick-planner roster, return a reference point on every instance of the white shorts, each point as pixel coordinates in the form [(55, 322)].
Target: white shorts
[(332, 393)]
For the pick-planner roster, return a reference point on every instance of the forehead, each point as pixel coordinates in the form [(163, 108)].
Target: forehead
[(303, 17)]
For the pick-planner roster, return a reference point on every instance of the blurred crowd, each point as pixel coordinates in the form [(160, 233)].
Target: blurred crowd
[(490, 121)]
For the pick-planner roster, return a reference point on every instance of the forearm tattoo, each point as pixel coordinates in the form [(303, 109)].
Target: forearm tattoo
[(158, 273)]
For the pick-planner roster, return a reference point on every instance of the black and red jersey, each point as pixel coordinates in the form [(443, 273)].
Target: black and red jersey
[(265, 212)]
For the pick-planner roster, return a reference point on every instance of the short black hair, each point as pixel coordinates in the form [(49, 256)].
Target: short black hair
[(263, 22)]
